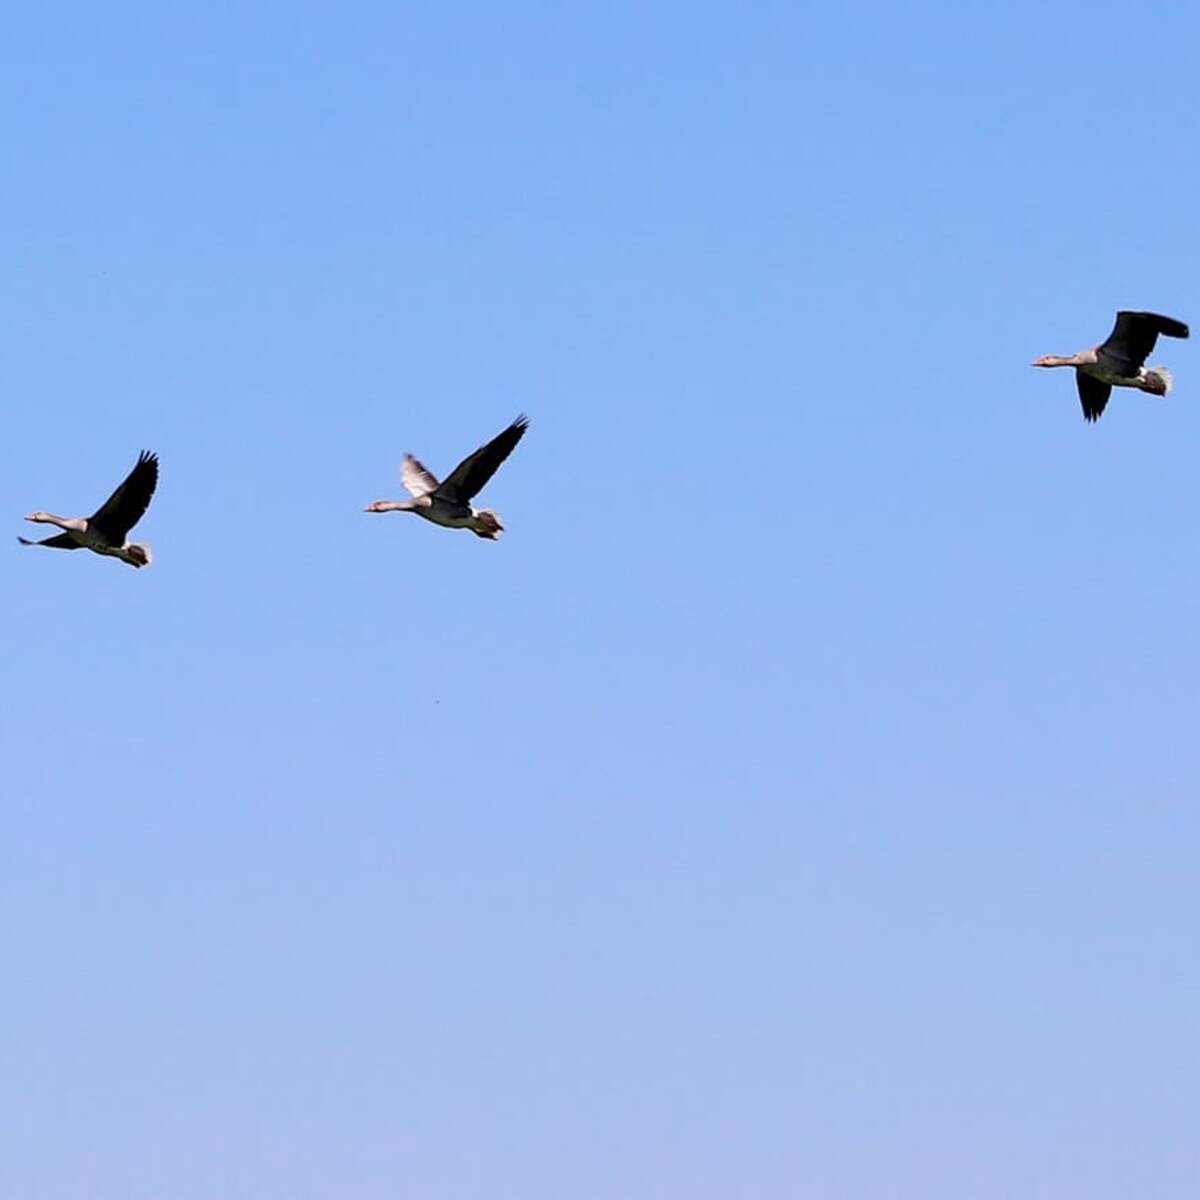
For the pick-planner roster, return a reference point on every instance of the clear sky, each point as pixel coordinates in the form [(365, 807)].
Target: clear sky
[(799, 801)]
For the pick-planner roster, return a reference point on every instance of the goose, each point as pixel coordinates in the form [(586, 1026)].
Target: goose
[(1117, 362), (107, 529), (449, 503)]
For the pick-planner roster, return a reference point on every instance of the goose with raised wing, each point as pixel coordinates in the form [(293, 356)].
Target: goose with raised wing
[(106, 531), (449, 503), (1117, 362)]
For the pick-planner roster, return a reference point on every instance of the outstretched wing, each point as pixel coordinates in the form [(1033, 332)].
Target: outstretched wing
[(61, 541), (470, 476), (1093, 395), (127, 505), (417, 478), (1133, 338)]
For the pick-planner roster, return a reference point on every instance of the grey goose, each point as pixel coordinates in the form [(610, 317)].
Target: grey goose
[(449, 503)]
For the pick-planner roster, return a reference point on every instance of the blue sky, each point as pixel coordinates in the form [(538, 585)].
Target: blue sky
[(800, 800)]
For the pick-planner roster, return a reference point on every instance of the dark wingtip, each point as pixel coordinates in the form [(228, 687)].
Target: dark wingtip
[(24, 541), (1167, 326)]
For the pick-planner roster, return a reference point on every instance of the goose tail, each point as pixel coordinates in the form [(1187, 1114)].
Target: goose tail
[(1158, 380)]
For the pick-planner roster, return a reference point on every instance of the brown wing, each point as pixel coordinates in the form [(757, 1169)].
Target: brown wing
[(1133, 338), (1093, 395), (469, 477), (127, 505)]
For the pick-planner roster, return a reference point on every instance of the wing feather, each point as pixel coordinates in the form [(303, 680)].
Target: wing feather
[(468, 479), (1133, 337), (417, 478), (61, 541), (1093, 395), (127, 505)]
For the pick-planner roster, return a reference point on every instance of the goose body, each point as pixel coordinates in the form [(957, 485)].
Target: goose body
[(106, 531), (449, 503), (1118, 360)]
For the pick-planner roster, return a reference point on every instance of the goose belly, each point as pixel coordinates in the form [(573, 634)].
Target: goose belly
[(449, 516), (1115, 378), (94, 541)]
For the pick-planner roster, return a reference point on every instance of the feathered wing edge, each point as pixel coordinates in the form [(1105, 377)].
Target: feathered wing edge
[(1169, 327), (1093, 395), (127, 505), (60, 541), (417, 478), (471, 475), (1134, 335)]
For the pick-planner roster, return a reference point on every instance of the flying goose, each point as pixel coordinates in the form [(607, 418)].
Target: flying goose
[(449, 503), (107, 529), (1118, 361)]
